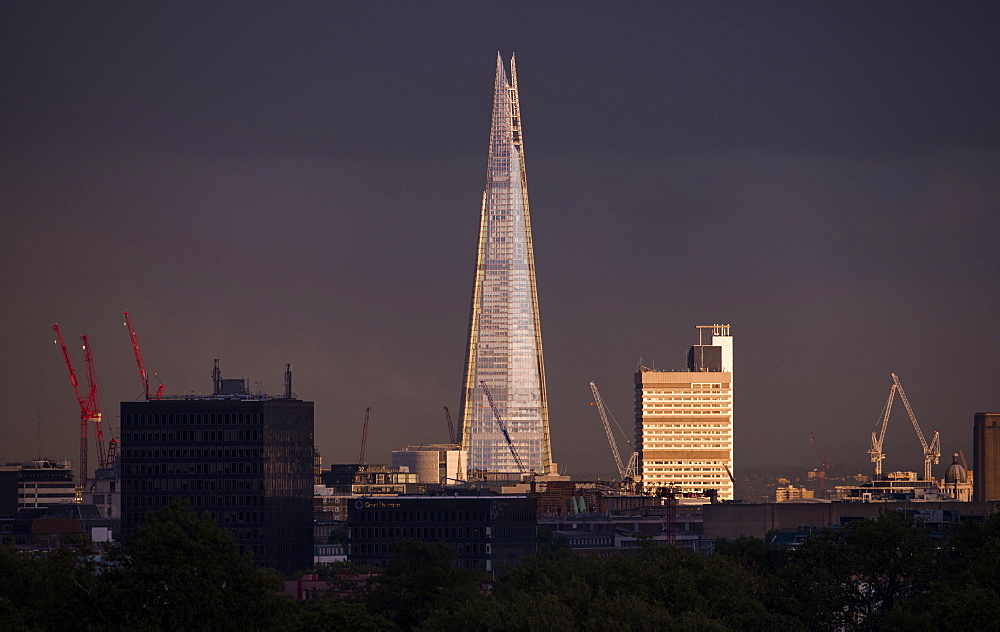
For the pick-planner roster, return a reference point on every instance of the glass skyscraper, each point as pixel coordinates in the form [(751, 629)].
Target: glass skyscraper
[(505, 340)]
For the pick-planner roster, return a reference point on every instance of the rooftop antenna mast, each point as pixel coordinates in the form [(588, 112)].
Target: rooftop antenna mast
[(216, 379)]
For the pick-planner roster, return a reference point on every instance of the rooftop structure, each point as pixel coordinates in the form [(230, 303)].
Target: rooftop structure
[(504, 352)]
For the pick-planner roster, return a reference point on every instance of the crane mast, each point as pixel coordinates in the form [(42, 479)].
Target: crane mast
[(364, 437), (822, 471), (623, 472), (94, 403), (138, 360), (451, 426), (84, 411), (503, 428), (932, 452), (877, 455)]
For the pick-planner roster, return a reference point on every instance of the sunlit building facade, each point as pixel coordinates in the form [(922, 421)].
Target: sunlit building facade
[(684, 419), (504, 351)]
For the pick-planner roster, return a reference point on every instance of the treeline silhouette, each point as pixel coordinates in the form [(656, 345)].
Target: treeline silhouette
[(182, 572)]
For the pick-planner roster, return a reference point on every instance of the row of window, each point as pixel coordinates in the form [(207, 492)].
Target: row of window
[(151, 501), (186, 468), (193, 436), (193, 419)]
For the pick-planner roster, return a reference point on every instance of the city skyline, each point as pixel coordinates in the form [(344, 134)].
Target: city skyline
[(293, 184), (504, 366)]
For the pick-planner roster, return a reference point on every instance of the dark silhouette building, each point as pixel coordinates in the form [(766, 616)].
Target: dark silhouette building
[(487, 532), (986, 457), (246, 460)]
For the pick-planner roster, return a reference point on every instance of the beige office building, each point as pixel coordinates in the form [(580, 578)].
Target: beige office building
[(684, 419)]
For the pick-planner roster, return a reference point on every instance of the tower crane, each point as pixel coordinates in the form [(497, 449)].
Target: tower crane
[(451, 426), (625, 472), (503, 428), (90, 408), (85, 413), (876, 453), (94, 403), (822, 460), (932, 452), (138, 360), (364, 436)]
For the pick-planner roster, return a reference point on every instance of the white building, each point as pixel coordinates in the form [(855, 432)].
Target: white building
[(38, 483), (436, 463), (684, 419)]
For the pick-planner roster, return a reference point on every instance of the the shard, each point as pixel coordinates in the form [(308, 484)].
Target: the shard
[(504, 350)]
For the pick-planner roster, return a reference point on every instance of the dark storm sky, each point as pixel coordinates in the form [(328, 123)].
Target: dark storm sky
[(300, 182)]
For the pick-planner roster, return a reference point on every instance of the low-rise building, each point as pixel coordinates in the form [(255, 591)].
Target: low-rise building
[(374, 479), (487, 532), (791, 492), (37, 483)]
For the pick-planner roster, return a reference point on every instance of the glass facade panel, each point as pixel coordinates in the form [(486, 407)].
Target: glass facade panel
[(505, 343)]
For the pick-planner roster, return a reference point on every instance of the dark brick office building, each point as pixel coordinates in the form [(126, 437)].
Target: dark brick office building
[(487, 532), (245, 459)]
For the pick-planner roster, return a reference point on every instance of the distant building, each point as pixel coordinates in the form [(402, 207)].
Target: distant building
[(104, 491), (986, 457), (487, 532), (370, 479), (958, 482), (245, 459), (435, 463), (892, 487), (791, 492), (46, 528), (684, 419), (38, 483), (733, 520)]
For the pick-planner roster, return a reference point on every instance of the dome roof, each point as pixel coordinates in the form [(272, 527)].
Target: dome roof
[(955, 472)]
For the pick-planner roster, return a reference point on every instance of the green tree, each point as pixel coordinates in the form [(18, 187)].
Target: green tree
[(421, 579), (182, 572)]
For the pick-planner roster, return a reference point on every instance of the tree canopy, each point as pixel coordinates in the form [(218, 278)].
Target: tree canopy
[(182, 572)]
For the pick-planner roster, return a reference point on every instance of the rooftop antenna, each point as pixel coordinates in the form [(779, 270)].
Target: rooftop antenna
[(216, 379), (288, 381), (38, 422)]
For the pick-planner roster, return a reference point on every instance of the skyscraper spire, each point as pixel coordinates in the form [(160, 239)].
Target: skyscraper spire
[(505, 339)]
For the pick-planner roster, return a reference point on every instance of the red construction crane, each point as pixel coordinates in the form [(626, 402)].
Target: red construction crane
[(90, 408), (94, 403), (364, 437), (85, 413), (138, 360), (451, 426)]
